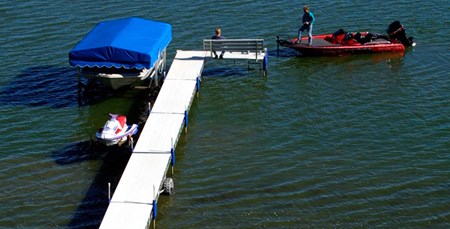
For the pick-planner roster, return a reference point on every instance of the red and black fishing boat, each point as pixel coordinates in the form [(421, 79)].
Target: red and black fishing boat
[(344, 43)]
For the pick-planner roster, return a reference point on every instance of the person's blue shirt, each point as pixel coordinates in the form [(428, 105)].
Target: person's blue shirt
[(308, 17)]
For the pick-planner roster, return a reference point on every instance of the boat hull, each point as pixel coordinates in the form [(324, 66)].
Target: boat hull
[(119, 137), (321, 47), (118, 82), (118, 78)]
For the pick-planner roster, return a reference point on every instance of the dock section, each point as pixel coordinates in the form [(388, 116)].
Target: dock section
[(133, 202)]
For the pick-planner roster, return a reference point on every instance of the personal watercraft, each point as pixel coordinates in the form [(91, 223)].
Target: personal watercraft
[(116, 131)]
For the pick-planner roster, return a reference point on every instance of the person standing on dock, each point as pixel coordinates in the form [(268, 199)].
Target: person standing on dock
[(218, 36), (307, 20)]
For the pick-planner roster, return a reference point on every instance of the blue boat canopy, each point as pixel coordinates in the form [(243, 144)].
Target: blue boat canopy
[(123, 43)]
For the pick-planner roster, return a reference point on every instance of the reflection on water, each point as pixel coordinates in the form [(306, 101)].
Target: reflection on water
[(41, 86), (92, 208)]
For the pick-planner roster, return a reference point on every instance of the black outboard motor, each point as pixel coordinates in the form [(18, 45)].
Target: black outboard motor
[(396, 31)]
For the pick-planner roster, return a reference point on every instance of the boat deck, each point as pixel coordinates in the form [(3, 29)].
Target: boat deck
[(318, 42), (132, 203)]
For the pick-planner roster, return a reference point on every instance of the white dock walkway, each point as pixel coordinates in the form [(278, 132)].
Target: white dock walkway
[(131, 205)]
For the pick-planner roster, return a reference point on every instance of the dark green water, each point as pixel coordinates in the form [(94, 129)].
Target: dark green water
[(343, 142)]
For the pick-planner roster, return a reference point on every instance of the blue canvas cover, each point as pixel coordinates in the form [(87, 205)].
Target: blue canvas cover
[(123, 43)]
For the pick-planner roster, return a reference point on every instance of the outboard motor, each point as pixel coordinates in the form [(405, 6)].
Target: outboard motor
[(396, 31)]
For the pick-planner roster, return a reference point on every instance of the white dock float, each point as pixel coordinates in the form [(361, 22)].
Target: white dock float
[(132, 203)]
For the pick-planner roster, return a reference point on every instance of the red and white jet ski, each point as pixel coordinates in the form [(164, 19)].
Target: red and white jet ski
[(116, 131)]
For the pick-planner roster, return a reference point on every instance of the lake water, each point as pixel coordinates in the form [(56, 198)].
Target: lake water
[(324, 142)]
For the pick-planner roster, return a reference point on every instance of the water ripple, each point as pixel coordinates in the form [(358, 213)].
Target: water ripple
[(346, 142)]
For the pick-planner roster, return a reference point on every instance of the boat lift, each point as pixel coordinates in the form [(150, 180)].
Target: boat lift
[(123, 52)]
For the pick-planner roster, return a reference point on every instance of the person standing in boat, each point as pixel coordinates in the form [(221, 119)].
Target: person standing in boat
[(307, 20), (218, 36)]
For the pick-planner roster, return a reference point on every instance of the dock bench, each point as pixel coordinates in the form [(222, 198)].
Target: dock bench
[(238, 49)]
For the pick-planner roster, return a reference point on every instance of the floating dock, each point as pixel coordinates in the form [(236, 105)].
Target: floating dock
[(134, 200), (134, 203)]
